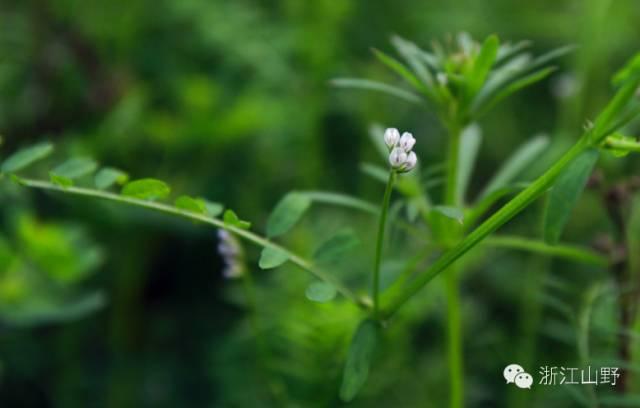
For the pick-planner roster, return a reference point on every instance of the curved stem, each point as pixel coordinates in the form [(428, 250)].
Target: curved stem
[(380, 240), (167, 209)]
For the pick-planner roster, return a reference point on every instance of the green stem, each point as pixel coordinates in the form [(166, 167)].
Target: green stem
[(628, 145), (167, 209), (380, 240), (504, 214), (454, 318)]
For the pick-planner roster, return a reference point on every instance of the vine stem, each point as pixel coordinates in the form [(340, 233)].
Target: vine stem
[(167, 209), (380, 240)]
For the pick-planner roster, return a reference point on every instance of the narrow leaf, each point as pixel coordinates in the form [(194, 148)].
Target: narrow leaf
[(519, 161), (565, 193), (194, 205), (359, 358), (75, 168), (109, 176), (450, 212), (514, 87), (376, 86), (469, 146), (287, 213), (337, 246), (272, 258), (482, 64), (320, 292), (27, 156), (146, 189), (342, 200), (401, 70), (410, 52), (615, 107), (633, 235)]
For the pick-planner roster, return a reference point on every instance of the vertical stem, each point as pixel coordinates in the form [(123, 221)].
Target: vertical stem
[(381, 226), (454, 317)]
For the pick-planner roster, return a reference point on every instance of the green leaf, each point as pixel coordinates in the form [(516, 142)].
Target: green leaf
[(629, 71), (213, 209), (411, 53), (108, 176), (287, 213), (450, 212), (320, 292), (272, 258), (27, 156), (342, 200), (621, 145), (335, 247), (359, 358), (469, 146), (194, 205), (482, 64), (565, 193), (231, 218), (401, 70), (514, 87), (520, 160), (75, 168), (376, 86), (60, 180), (146, 189)]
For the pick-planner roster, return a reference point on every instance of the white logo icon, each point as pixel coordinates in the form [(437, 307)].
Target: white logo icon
[(514, 373)]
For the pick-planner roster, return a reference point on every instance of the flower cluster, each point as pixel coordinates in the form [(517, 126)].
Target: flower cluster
[(231, 251), (401, 157)]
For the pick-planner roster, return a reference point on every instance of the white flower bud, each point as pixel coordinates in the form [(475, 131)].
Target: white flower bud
[(411, 161), (391, 137), (407, 141), (397, 158)]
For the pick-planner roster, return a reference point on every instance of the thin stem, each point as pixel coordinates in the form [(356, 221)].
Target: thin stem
[(167, 209), (454, 318), (628, 145), (380, 240), (504, 214)]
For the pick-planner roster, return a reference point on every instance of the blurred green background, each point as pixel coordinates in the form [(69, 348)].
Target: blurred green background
[(230, 100)]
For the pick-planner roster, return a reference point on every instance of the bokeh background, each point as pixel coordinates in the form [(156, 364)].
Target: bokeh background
[(230, 100)]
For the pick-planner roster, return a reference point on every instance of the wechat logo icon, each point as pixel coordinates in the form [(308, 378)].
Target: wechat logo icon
[(514, 373)]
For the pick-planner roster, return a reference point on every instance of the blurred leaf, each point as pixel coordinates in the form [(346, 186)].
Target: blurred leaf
[(401, 70), (450, 212), (411, 53), (27, 156), (272, 258), (551, 55), (629, 71), (482, 64), (376, 135), (231, 218), (336, 247), (520, 160), (60, 180), (194, 205), (376, 86), (514, 87), (565, 193), (287, 213), (470, 141), (342, 200), (213, 209), (75, 168), (108, 176), (146, 189), (359, 359), (507, 50), (320, 292), (499, 77)]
